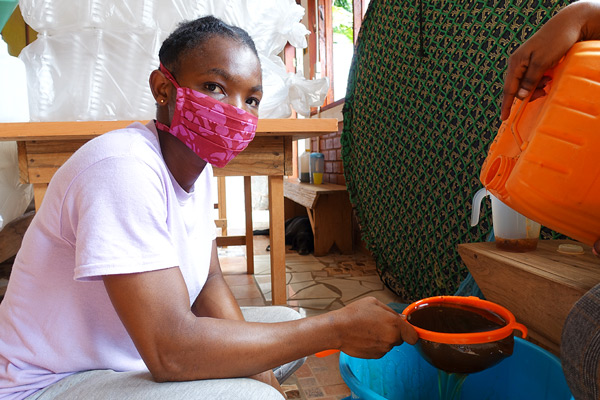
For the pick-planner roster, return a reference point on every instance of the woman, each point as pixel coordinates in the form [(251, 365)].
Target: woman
[(117, 289), (580, 344)]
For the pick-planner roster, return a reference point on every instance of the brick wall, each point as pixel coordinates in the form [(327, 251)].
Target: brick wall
[(331, 148)]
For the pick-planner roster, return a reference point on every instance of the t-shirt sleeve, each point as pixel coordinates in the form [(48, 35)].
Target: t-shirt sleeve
[(115, 213)]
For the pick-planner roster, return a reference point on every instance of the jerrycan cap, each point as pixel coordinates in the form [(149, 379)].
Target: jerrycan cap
[(567, 248)]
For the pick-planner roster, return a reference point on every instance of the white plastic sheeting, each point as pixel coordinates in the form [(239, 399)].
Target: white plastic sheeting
[(14, 196), (92, 58)]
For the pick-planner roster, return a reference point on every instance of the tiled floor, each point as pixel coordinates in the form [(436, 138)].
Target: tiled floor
[(315, 285)]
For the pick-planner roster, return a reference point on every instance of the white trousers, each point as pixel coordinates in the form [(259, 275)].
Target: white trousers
[(107, 384)]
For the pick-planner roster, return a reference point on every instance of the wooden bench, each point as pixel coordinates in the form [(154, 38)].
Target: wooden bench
[(539, 287), (329, 210)]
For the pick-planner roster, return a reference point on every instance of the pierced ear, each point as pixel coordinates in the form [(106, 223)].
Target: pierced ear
[(160, 87)]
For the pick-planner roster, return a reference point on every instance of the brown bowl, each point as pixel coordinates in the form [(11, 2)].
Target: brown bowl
[(462, 334)]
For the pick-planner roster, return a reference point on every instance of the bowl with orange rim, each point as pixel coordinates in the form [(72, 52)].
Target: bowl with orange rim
[(462, 334)]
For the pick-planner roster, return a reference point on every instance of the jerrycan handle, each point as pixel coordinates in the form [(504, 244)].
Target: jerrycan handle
[(522, 104), (519, 114), (475, 209)]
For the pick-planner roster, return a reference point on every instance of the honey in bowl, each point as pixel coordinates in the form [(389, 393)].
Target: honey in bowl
[(461, 358), (461, 335)]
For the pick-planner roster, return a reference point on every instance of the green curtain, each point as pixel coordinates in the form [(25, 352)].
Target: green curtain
[(422, 106)]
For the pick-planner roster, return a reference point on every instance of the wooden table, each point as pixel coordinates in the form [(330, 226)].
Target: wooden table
[(538, 287), (45, 146)]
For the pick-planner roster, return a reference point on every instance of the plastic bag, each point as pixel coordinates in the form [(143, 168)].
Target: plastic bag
[(283, 90), (91, 74), (92, 58), (52, 16), (272, 24)]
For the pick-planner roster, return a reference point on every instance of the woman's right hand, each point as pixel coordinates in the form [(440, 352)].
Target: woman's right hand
[(368, 328)]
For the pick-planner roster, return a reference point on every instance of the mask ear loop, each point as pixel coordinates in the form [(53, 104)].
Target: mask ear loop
[(168, 75)]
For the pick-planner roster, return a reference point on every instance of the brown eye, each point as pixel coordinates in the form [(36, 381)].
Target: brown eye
[(213, 87), (253, 101)]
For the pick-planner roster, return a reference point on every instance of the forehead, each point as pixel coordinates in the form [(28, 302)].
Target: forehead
[(221, 53)]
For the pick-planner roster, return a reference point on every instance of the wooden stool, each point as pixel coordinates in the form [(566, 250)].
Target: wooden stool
[(329, 211)]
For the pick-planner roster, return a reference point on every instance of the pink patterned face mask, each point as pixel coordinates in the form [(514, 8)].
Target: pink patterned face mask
[(215, 131)]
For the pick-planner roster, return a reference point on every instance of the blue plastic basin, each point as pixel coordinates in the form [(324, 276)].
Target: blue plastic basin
[(531, 373)]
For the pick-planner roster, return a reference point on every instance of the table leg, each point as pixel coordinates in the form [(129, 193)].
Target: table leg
[(277, 240), (39, 191), (249, 234)]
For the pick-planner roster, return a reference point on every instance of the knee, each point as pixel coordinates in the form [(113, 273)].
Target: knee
[(287, 314), (270, 314)]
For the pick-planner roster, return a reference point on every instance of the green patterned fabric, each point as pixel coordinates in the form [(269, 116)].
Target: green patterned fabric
[(422, 106)]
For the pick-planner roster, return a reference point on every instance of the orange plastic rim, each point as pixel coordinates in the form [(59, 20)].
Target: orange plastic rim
[(467, 338)]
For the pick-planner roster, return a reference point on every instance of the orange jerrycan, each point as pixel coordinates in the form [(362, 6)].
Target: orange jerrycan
[(545, 159)]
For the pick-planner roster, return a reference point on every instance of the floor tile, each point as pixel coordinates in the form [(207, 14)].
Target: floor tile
[(350, 289), (314, 291), (340, 389), (308, 266), (315, 304), (246, 292), (301, 277), (299, 286), (253, 302), (239, 279)]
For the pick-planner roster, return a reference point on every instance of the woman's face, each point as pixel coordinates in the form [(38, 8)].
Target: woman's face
[(224, 69)]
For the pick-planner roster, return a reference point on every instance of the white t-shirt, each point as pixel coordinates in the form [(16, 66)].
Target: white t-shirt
[(112, 208)]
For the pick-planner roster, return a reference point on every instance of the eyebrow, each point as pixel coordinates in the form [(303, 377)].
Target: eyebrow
[(222, 72), (227, 76)]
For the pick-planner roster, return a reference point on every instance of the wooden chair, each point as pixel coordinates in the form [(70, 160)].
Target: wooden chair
[(221, 222)]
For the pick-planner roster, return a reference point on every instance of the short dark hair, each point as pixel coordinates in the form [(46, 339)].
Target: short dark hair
[(192, 34)]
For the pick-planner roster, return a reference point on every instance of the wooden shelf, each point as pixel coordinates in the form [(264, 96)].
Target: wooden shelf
[(539, 287)]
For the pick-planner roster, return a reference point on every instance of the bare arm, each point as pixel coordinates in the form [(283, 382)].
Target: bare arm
[(576, 22), (178, 345), (216, 300)]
